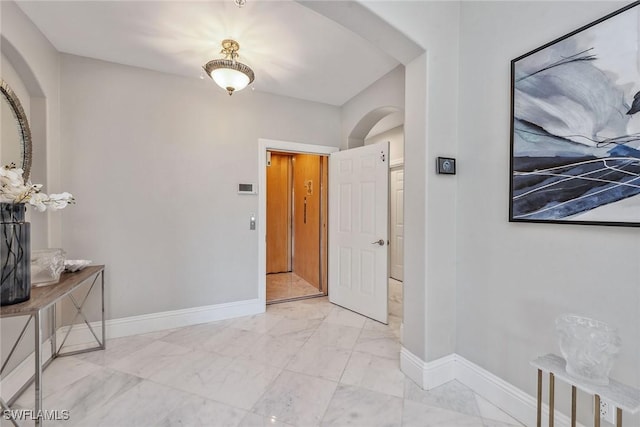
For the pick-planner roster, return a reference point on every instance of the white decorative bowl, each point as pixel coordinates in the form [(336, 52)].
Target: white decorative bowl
[(588, 346), (73, 265)]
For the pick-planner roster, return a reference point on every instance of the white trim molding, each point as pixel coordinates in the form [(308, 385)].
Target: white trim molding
[(502, 394), (80, 335), (396, 163), (265, 145), (427, 375)]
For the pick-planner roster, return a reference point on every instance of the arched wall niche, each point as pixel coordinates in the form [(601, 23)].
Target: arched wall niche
[(37, 116), (368, 122)]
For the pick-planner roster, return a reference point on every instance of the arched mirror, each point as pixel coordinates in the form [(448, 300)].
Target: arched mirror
[(15, 142)]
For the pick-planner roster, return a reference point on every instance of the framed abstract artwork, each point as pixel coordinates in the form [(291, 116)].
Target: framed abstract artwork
[(575, 126)]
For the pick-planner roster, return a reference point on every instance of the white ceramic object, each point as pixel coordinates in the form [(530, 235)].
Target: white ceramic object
[(589, 347), (73, 265)]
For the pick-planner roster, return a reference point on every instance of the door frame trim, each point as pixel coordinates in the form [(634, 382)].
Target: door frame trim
[(263, 146)]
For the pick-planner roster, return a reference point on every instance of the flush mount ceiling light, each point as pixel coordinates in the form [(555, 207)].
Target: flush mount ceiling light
[(228, 73)]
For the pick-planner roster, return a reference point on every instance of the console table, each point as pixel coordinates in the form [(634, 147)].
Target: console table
[(43, 299), (622, 396)]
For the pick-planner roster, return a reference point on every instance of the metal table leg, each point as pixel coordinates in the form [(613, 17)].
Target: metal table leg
[(52, 329), (573, 406), (104, 330), (552, 380), (539, 415), (5, 406), (38, 374)]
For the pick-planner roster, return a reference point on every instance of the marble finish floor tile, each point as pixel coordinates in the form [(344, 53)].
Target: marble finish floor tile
[(320, 361), (383, 343), (87, 394), (342, 316), (289, 326), (241, 383), (196, 411), (335, 335), (257, 420), (316, 308), (276, 350), (146, 404), (395, 298), (415, 414), (452, 396), (116, 349), (59, 375), (148, 360), (296, 399), (355, 406), (493, 416), (260, 323), (194, 372), (230, 341), (284, 286), (196, 336), (374, 373), (300, 364)]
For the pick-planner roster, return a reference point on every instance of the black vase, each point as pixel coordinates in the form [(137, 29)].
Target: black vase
[(15, 254)]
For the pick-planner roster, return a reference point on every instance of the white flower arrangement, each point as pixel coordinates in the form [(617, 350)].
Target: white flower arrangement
[(13, 189)]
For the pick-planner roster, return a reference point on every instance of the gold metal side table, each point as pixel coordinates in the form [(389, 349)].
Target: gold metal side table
[(623, 397), (43, 299)]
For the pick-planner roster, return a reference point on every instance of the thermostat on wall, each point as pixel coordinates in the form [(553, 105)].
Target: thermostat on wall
[(446, 165), (247, 189)]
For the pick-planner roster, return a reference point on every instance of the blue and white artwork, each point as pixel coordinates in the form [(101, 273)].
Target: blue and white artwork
[(576, 126)]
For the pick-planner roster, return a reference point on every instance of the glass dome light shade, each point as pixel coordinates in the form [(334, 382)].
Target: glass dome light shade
[(229, 75)]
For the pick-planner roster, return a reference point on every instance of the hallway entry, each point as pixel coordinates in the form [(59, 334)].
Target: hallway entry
[(354, 222), (296, 238)]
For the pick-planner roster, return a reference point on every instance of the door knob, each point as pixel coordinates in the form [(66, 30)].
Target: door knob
[(379, 242)]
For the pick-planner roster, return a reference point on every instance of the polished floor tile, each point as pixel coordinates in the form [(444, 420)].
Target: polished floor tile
[(355, 406), (304, 363), (196, 411), (286, 286), (374, 373), (296, 399)]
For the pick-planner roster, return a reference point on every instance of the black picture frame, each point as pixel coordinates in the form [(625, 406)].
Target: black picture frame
[(575, 127)]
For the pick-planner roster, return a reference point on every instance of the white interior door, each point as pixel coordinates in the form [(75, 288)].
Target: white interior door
[(397, 224), (358, 229)]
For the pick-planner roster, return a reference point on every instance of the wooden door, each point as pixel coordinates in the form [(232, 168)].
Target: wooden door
[(306, 222), (279, 214)]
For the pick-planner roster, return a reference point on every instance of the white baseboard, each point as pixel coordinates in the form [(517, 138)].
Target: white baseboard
[(427, 375), (80, 336), (509, 398)]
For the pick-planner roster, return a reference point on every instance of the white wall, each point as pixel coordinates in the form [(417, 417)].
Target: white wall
[(34, 61), (514, 279), (154, 161), (388, 91), (395, 136), (431, 130), (30, 66)]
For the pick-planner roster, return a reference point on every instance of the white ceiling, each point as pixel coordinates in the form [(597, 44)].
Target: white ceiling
[(293, 50)]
